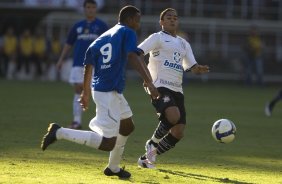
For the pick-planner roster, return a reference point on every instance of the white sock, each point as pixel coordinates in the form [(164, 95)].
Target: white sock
[(116, 153), (77, 109), (89, 138), (154, 139)]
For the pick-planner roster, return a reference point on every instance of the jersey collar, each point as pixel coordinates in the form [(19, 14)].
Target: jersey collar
[(168, 33)]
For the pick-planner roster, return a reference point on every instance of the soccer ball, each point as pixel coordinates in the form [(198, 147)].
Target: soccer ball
[(223, 131)]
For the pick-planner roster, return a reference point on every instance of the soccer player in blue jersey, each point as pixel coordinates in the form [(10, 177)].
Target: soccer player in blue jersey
[(107, 56), (81, 35)]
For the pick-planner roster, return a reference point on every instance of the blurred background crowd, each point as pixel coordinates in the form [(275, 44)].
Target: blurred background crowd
[(239, 39)]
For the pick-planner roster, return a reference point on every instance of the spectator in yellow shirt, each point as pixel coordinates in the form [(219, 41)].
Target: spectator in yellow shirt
[(40, 48), (253, 57), (10, 44), (25, 51)]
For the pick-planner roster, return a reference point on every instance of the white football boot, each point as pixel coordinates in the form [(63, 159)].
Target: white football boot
[(151, 152), (145, 164)]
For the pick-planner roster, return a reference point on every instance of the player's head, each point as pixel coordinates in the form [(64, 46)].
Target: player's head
[(169, 20), (130, 16), (90, 9)]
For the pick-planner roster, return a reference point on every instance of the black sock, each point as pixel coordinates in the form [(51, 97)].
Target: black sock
[(166, 144), (143, 157), (162, 129), (275, 100)]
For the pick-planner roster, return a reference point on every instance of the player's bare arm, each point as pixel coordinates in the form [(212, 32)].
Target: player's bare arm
[(200, 69), (145, 66), (141, 68), (86, 93), (66, 49), (142, 60)]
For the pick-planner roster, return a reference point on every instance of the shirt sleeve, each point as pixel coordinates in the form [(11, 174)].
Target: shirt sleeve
[(89, 57), (189, 59), (150, 43)]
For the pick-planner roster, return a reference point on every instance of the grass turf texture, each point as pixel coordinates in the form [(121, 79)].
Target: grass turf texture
[(254, 157)]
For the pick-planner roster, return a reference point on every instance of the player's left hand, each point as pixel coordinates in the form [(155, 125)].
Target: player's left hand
[(200, 69)]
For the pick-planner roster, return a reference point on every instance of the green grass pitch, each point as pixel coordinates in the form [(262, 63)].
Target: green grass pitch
[(255, 156)]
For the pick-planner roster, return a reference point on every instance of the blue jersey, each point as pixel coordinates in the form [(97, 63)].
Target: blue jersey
[(108, 55), (81, 35)]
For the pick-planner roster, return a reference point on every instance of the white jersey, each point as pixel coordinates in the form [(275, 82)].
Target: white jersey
[(169, 57)]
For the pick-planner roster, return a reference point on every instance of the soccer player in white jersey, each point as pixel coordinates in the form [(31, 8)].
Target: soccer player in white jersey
[(170, 56), (108, 56)]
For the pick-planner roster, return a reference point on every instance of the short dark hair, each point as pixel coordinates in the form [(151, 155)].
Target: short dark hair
[(89, 1), (165, 11), (127, 12)]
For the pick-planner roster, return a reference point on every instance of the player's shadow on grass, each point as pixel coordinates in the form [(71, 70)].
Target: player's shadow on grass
[(202, 177)]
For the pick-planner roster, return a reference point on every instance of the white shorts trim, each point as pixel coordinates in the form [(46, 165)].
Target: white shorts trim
[(111, 107), (76, 75)]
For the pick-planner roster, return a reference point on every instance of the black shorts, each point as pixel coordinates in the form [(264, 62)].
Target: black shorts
[(167, 99)]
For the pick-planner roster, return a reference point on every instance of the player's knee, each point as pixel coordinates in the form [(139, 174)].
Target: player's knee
[(172, 115), (126, 127), (128, 130), (173, 119), (131, 128), (108, 144), (108, 148)]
